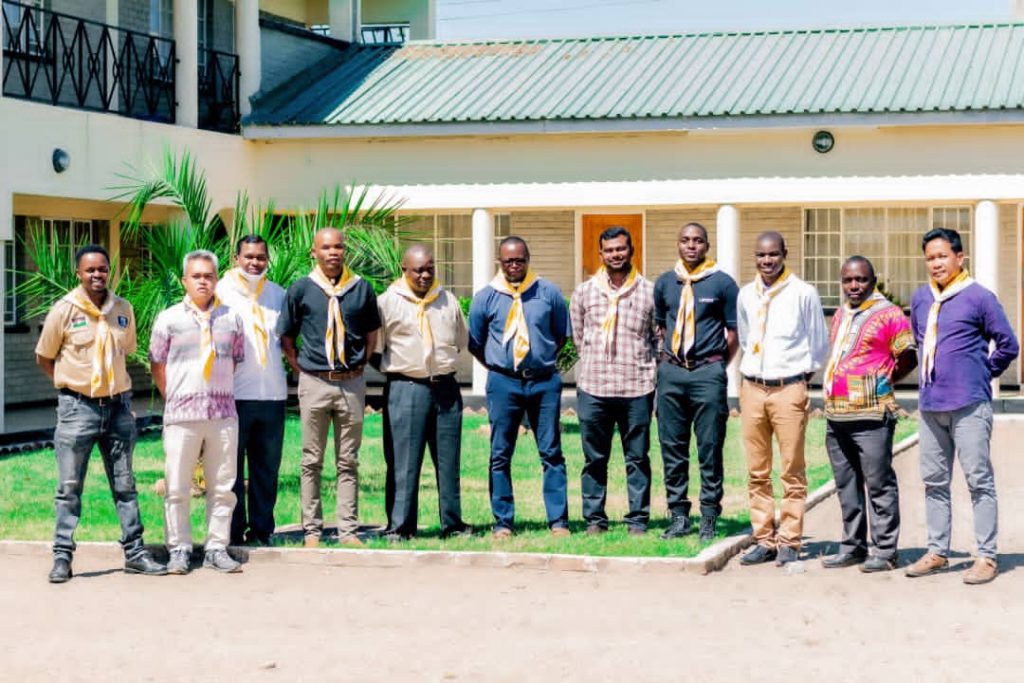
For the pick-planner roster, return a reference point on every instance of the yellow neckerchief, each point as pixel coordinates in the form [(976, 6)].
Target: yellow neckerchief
[(766, 294), (403, 288), (515, 322), (931, 331), (207, 352), (334, 342), (259, 322), (685, 332), (604, 285), (847, 314), (106, 346)]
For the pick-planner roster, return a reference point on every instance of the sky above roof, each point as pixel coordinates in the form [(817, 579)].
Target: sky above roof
[(475, 19)]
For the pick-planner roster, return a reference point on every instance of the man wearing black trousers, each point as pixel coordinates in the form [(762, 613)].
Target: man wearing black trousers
[(695, 311)]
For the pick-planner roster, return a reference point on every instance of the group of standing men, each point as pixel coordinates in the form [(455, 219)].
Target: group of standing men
[(643, 347)]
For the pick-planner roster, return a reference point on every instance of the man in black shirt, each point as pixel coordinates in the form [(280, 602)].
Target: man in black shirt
[(695, 312), (335, 313)]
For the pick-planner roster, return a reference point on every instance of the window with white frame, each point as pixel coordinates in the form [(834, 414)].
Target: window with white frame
[(889, 236), (66, 235), (451, 237), (10, 283)]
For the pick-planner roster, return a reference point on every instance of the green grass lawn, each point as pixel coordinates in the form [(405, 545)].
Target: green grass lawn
[(27, 482)]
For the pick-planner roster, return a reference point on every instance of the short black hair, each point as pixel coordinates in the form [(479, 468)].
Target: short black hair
[(772, 235), (695, 224), (90, 249), (514, 239), (861, 259), (614, 232), (948, 234), (251, 239)]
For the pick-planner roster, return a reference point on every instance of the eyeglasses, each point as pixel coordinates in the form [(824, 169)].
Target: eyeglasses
[(514, 261)]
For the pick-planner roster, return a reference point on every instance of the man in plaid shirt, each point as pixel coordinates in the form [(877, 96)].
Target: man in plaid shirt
[(613, 328)]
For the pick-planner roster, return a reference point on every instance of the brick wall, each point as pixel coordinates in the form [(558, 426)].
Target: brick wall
[(133, 15), (94, 10)]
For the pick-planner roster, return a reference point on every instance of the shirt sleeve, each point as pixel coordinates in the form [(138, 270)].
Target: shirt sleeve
[(238, 343), (576, 314), (478, 323), (369, 315), (131, 342), (52, 337), (731, 293), (817, 332), (901, 337), (290, 319), (742, 324), (660, 308), (382, 336), (997, 328), (561, 326), (159, 341)]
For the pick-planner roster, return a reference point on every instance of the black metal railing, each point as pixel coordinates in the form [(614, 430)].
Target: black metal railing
[(385, 34), (218, 91), (68, 61)]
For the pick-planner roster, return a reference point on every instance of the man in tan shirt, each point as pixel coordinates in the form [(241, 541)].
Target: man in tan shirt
[(422, 333), (82, 348)]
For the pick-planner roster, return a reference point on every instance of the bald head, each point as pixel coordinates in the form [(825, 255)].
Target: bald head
[(329, 251), (417, 253), (418, 268)]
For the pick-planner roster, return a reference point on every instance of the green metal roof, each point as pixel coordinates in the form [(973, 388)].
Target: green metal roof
[(771, 73)]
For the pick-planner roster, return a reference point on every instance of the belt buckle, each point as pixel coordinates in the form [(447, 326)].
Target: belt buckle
[(528, 374), (434, 379), (687, 364)]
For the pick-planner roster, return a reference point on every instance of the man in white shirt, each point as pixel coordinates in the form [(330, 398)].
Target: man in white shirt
[(784, 340), (260, 389)]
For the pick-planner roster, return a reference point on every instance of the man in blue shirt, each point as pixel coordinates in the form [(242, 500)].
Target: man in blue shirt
[(517, 326)]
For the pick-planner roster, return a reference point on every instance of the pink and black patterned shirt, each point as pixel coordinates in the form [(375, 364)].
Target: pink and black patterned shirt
[(627, 368)]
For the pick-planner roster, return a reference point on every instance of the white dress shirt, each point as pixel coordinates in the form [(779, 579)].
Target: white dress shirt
[(254, 382), (795, 338)]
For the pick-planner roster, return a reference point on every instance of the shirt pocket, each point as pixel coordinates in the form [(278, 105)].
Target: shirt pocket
[(81, 338)]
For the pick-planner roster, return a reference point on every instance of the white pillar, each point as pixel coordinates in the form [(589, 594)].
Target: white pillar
[(483, 271), (343, 17), (247, 44), (727, 250), (6, 233), (186, 48), (985, 266)]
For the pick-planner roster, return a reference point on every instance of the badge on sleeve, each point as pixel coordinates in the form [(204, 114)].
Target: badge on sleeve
[(122, 320)]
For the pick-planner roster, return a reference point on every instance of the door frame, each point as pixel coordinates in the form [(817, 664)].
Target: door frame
[(598, 211)]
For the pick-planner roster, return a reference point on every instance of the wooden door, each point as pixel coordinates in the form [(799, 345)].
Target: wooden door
[(595, 224)]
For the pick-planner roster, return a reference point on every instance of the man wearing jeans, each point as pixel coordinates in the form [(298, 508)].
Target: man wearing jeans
[(517, 325), (82, 348), (193, 351), (955, 320)]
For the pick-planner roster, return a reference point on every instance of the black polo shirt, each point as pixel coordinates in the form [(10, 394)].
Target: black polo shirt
[(714, 311), (305, 316)]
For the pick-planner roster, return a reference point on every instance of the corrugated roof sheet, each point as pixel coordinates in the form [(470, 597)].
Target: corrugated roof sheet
[(829, 71)]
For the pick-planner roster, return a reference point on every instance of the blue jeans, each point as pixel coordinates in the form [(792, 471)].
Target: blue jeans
[(508, 400), (82, 424)]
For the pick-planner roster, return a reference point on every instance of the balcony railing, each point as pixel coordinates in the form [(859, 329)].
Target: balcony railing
[(67, 61), (218, 91), (385, 34)]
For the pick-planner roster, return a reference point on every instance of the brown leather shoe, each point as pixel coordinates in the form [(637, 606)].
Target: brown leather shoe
[(351, 541), (929, 564), (560, 532), (984, 570), (312, 542), (501, 533)]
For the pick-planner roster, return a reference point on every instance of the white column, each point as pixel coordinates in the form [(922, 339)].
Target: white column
[(247, 44), (727, 250), (483, 271), (6, 233), (986, 252), (343, 16), (186, 47)]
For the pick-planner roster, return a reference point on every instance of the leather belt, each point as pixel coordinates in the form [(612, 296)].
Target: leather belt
[(691, 364), (528, 373), (336, 375), (429, 381), (97, 400), (782, 382)]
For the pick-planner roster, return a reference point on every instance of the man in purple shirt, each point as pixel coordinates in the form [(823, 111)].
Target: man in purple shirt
[(954, 320)]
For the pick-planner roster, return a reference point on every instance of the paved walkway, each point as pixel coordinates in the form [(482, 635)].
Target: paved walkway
[(281, 622)]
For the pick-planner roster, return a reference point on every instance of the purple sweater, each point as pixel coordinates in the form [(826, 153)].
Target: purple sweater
[(964, 369)]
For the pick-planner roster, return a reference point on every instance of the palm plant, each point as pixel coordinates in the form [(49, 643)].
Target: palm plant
[(54, 274)]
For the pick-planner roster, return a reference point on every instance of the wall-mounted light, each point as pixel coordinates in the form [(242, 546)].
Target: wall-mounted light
[(823, 142), (61, 160)]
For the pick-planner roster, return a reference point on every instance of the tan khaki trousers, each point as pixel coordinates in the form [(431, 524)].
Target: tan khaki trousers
[(321, 404), (781, 411), (217, 440)]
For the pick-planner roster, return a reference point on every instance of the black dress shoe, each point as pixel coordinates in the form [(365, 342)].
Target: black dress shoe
[(61, 572), (840, 560), (680, 526), (785, 555), (708, 527), (878, 564), (759, 554), (144, 564)]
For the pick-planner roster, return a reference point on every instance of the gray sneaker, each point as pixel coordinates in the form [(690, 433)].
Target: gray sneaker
[(221, 561), (179, 561)]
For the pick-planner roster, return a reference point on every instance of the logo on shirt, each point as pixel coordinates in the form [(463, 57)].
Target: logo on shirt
[(79, 323), (706, 300), (122, 320)]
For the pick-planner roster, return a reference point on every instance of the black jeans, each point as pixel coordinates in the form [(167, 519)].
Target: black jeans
[(598, 418), (861, 456), (692, 399), (260, 438)]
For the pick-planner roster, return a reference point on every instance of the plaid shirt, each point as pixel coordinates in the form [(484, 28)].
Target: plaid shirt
[(629, 370)]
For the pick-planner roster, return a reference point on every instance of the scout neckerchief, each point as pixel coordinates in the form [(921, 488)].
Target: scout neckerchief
[(207, 353), (931, 333), (515, 322), (604, 285), (402, 288), (106, 346), (252, 287), (841, 343), (685, 332), (334, 342), (765, 296)]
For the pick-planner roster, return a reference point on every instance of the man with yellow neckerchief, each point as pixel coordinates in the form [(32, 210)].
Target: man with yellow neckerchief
[(517, 325), (695, 310), (956, 322), (334, 311), (82, 348), (784, 339), (422, 333), (260, 390)]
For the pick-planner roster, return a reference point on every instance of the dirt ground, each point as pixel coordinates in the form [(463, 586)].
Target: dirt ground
[(288, 622)]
